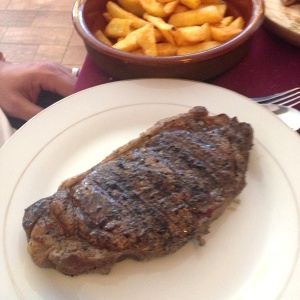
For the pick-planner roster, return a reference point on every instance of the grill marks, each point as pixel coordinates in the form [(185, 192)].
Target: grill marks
[(164, 183)]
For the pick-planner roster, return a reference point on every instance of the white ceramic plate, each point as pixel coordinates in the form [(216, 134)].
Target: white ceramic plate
[(283, 20), (252, 251)]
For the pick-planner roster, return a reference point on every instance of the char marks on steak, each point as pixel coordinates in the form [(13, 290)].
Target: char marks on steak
[(145, 200)]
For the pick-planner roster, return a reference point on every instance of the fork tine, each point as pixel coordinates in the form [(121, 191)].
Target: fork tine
[(294, 104), (283, 95), (286, 101)]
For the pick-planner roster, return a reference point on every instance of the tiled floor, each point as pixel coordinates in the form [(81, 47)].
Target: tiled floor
[(32, 30)]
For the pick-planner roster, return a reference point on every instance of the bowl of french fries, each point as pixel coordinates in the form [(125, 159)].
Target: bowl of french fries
[(188, 39)]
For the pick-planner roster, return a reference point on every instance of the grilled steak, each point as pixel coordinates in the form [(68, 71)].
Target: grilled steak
[(147, 199)]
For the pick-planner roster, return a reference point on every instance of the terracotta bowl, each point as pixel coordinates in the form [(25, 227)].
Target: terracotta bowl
[(198, 66)]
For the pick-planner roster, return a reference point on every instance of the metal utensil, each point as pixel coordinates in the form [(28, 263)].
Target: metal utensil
[(282, 105), (289, 115), (283, 98)]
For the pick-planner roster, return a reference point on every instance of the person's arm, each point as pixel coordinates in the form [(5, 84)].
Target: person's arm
[(21, 85), (288, 2)]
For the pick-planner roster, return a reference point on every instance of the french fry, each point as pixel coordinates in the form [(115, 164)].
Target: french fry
[(209, 14), (158, 35), (180, 8), (132, 6), (129, 43), (164, 28), (178, 37), (227, 20), (147, 41), (107, 17), (102, 37), (118, 12), (197, 48), (154, 8), (221, 7), (192, 4), (118, 28), (192, 34), (224, 33), (238, 23), (166, 49), (170, 6)]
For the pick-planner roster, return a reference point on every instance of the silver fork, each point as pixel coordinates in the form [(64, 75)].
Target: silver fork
[(285, 98), (282, 105)]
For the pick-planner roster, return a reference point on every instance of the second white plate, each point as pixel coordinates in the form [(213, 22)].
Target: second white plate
[(283, 20)]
